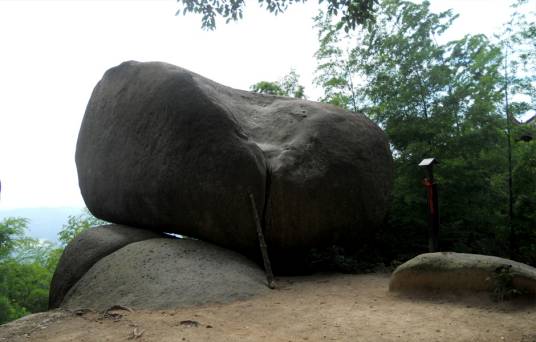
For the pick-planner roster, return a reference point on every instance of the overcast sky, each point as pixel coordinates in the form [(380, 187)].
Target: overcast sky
[(54, 52)]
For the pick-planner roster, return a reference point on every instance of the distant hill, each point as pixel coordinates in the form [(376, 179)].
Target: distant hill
[(45, 223)]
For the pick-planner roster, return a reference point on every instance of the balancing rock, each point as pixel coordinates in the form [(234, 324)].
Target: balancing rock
[(168, 150)]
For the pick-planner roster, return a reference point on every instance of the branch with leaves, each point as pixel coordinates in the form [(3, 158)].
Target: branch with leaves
[(352, 13)]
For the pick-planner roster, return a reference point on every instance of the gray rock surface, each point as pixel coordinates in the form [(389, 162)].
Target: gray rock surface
[(166, 274), (163, 148), (458, 271), (85, 250)]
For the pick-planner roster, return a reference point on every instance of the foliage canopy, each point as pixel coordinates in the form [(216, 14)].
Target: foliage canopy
[(27, 264), (442, 100)]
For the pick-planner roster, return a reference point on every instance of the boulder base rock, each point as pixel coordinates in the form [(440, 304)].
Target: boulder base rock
[(163, 148), (166, 274), (460, 272), (85, 250)]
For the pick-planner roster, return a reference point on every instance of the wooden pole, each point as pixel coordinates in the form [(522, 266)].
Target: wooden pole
[(509, 146), (262, 243), (433, 210)]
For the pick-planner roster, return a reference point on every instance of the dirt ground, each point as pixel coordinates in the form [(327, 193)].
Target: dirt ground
[(315, 308)]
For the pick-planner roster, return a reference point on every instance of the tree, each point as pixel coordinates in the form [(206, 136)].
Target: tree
[(524, 189), (337, 70), (25, 285), (27, 264), (8, 312), (287, 86), (518, 42), (29, 250), (11, 229), (432, 99), (77, 224), (519, 39), (26, 268), (351, 12)]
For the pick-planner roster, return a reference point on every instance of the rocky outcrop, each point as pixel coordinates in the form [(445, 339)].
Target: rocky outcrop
[(167, 274), (168, 150), (461, 272), (85, 250)]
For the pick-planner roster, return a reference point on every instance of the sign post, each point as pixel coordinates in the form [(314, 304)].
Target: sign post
[(433, 204)]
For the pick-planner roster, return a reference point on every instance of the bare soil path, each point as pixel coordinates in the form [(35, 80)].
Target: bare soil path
[(315, 308)]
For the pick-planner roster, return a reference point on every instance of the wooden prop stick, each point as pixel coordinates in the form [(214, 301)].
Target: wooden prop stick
[(262, 243)]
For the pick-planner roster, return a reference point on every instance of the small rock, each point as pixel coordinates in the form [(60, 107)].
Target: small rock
[(189, 323), (446, 271)]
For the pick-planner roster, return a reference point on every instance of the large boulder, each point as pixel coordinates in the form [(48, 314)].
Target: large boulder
[(447, 271), (163, 148), (167, 274), (85, 250)]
